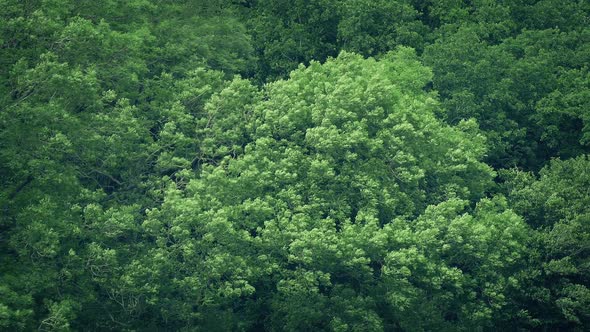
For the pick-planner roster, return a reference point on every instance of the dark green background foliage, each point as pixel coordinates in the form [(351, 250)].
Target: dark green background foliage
[(249, 165)]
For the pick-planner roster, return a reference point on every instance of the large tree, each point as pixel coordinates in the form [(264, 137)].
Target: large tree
[(345, 206)]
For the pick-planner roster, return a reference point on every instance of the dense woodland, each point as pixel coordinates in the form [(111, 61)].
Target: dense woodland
[(295, 165)]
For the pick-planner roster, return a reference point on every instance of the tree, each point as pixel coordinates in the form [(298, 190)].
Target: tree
[(336, 185), (512, 89), (376, 27), (556, 205), (287, 33)]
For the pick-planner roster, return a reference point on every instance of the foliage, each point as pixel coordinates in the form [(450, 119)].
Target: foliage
[(294, 165), (557, 204)]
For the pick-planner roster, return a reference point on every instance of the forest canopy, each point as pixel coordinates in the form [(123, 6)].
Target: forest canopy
[(298, 165)]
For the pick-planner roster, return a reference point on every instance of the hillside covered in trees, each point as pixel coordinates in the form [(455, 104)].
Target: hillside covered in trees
[(295, 165)]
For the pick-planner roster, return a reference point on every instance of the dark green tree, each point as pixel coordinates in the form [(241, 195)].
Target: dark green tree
[(557, 205)]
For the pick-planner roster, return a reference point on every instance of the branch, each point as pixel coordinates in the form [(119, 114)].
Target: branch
[(20, 187)]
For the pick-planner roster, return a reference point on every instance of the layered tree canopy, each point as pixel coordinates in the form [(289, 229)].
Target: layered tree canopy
[(290, 166)]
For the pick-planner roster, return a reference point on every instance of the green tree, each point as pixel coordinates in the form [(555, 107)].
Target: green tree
[(376, 27), (310, 226), (557, 205), (91, 124), (287, 33), (513, 90)]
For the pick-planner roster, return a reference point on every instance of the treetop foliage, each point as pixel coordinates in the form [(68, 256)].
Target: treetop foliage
[(294, 165)]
